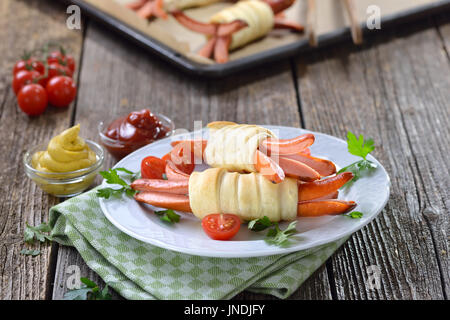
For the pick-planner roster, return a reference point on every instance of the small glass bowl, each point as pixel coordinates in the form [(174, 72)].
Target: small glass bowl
[(119, 149), (64, 184)]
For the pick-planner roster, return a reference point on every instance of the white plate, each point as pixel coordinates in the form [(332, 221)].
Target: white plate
[(137, 220)]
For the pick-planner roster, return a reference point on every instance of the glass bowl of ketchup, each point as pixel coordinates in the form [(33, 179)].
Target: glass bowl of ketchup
[(126, 134)]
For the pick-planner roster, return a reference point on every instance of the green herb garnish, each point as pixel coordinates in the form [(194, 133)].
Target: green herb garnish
[(275, 235), (112, 177), (30, 252), (279, 237), (90, 291), (354, 215), (260, 224), (361, 148), (168, 216), (32, 233)]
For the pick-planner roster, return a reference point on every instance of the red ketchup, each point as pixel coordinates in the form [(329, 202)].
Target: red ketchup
[(129, 133)]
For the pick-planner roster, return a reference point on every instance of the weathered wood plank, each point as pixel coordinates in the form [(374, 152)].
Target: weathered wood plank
[(26, 25), (117, 78), (396, 91)]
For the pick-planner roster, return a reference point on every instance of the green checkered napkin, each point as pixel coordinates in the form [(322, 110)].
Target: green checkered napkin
[(138, 270)]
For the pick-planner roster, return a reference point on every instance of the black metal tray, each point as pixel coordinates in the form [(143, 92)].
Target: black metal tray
[(221, 70)]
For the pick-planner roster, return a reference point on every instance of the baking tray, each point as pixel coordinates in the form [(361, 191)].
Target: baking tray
[(257, 59)]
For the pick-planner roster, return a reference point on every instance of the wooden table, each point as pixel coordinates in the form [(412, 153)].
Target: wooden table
[(395, 89)]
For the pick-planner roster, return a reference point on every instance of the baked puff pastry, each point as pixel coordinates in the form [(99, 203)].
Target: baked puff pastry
[(232, 146), (257, 14), (170, 5), (249, 196)]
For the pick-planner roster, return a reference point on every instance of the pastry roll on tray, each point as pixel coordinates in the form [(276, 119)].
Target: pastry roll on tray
[(257, 14), (249, 196)]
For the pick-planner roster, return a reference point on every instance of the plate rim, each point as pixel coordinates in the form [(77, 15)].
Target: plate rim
[(269, 251)]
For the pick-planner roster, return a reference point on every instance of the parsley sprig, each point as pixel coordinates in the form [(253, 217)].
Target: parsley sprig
[(354, 215), (39, 233), (35, 233), (168, 216), (361, 148), (30, 252), (275, 235), (112, 177), (260, 224), (89, 291)]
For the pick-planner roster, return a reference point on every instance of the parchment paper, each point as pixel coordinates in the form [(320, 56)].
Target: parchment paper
[(331, 16)]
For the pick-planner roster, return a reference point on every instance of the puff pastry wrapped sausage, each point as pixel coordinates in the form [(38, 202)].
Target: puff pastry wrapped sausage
[(246, 148), (258, 16), (249, 196), (238, 25)]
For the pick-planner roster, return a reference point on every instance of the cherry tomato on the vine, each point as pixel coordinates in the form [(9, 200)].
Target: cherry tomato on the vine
[(24, 77), (28, 65), (221, 226), (55, 69), (32, 99), (61, 91), (62, 59)]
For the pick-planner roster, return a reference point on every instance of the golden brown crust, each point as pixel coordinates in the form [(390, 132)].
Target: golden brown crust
[(215, 125)]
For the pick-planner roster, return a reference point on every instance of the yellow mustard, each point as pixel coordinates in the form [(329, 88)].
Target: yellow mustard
[(65, 152)]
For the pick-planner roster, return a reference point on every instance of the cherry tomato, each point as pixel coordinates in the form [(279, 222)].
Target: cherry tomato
[(184, 162), (61, 91), (220, 226), (28, 65), (153, 168), (32, 99), (22, 78), (70, 62), (38, 66), (60, 58), (55, 69), (21, 65), (55, 57)]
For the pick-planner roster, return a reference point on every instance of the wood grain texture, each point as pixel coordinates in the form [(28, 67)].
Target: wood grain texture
[(395, 90), (21, 201), (118, 78)]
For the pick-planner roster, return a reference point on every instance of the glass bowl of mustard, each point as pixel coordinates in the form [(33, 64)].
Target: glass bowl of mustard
[(64, 184)]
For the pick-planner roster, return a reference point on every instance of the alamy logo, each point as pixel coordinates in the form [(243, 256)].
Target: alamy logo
[(73, 22), (373, 277), (374, 17), (73, 281)]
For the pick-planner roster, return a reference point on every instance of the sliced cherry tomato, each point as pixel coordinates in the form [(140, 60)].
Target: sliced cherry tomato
[(32, 99), (221, 226), (153, 168), (61, 91), (22, 78)]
